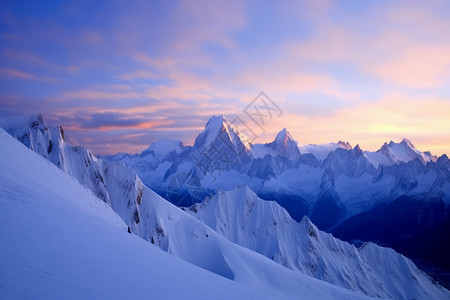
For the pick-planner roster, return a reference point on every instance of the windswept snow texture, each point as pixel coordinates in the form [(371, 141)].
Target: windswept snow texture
[(264, 226), (61, 242)]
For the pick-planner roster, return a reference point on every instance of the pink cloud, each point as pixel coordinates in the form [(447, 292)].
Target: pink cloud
[(143, 125), (138, 74), (205, 21), (407, 46), (410, 62), (31, 59), (100, 94), (371, 123), (7, 72)]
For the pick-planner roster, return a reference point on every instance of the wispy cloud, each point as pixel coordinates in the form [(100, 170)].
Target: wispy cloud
[(7, 72), (392, 117), (112, 121)]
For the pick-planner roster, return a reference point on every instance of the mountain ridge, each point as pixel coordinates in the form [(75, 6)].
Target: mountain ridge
[(265, 227)]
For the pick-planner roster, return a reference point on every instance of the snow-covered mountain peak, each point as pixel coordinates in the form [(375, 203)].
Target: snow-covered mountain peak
[(321, 151), (215, 126), (393, 153), (239, 194), (215, 123), (345, 145), (408, 143), (238, 208), (242, 190), (37, 122), (284, 137), (16, 124), (284, 145), (405, 143), (34, 133), (352, 163), (357, 150), (219, 131), (162, 147), (309, 227)]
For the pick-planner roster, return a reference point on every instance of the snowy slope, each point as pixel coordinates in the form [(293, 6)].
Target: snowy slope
[(61, 242), (264, 226), (114, 183)]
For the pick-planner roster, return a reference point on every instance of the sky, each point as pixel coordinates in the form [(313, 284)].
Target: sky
[(119, 75)]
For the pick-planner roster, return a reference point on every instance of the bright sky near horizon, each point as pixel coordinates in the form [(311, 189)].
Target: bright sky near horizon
[(118, 75)]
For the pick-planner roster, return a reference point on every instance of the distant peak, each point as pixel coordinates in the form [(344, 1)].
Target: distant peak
[(404, 142), (345, 145), (283, 138), (407, 142), (283, 135), (443, 158), (357, 150), (161, 148), (385, 147)]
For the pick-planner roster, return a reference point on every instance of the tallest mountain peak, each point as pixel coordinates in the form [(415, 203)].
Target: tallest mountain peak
[(218, 131), (217, 118), (216, 122)]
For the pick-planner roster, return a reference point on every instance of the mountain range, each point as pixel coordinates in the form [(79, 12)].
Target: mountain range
[(234, 233), (396, 196), (60, 241)]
